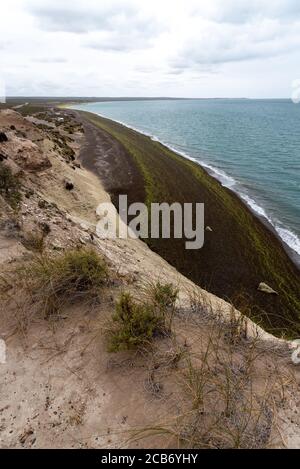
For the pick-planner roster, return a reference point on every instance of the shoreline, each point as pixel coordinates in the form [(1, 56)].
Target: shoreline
[(248, 201)]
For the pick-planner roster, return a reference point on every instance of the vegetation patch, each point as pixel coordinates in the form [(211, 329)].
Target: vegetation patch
[(9, 186), (34, 241), (136, 324), (56, 281), (228, 394), (163, 294)]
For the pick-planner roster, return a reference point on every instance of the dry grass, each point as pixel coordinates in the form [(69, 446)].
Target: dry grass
[(34, 242), (220, 388), (50, 283), (228, 387)]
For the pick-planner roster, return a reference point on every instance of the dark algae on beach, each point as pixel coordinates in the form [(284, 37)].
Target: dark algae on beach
[(239, 251)]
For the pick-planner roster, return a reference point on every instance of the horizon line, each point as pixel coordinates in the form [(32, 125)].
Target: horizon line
[(144, 97)]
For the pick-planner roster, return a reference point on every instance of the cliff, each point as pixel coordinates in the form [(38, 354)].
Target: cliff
[(204, 376)]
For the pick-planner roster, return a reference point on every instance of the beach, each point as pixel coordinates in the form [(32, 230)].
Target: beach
[(239, 253)]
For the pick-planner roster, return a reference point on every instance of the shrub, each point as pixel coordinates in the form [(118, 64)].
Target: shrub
[(54, 282), (164, 295), (34, 242), (136, 324), (9, 186)]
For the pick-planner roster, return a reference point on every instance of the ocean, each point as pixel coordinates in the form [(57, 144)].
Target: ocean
[(250, 146)]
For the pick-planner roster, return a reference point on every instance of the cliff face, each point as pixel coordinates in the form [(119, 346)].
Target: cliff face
[(59, 386)]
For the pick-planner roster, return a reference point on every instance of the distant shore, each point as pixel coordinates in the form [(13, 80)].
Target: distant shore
[(243, 248)]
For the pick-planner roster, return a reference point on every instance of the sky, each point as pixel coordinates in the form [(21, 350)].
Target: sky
[(178, 48)]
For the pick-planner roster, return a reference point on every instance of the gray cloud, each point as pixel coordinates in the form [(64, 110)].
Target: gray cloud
[(79, 17), (114, 16), (243, 11), (109, 26), (219, 44), (121, 41)]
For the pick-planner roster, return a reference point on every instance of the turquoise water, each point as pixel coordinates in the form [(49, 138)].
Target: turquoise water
[(251, 146)]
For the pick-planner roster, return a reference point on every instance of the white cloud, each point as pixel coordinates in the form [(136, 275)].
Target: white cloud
[(220, 43), (136, 47)]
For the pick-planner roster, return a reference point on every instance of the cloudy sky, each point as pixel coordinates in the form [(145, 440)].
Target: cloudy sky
[(183, 48)]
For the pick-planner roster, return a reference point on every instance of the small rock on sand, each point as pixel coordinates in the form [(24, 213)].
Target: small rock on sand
[(263, 287)]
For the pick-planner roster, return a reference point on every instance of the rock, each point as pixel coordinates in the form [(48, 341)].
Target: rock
[(296, 354), (3, 157), (77, 164), (57, 246), (2, 352), (29, 193), (46, 229), (3, 137), (27, 437), (263, 287), (208, 228), (84, 226), (69, 185), (26, 154)]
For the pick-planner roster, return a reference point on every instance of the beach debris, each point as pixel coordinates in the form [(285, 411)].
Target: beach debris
[(265, 288), (3, 137), (208, 228), (69, 185)]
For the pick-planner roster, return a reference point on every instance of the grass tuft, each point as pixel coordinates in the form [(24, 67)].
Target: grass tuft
[(164, 294), (54, 282)]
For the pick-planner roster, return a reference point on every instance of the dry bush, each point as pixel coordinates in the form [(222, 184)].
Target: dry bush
[(52, 282), (34, 242)]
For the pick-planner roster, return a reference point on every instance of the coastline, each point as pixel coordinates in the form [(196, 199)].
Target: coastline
[(241, 252), (292, 248)]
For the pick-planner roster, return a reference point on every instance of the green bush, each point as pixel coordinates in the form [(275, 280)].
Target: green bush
[(136, 324), (164, 294), (9, 186), (54, 282)]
